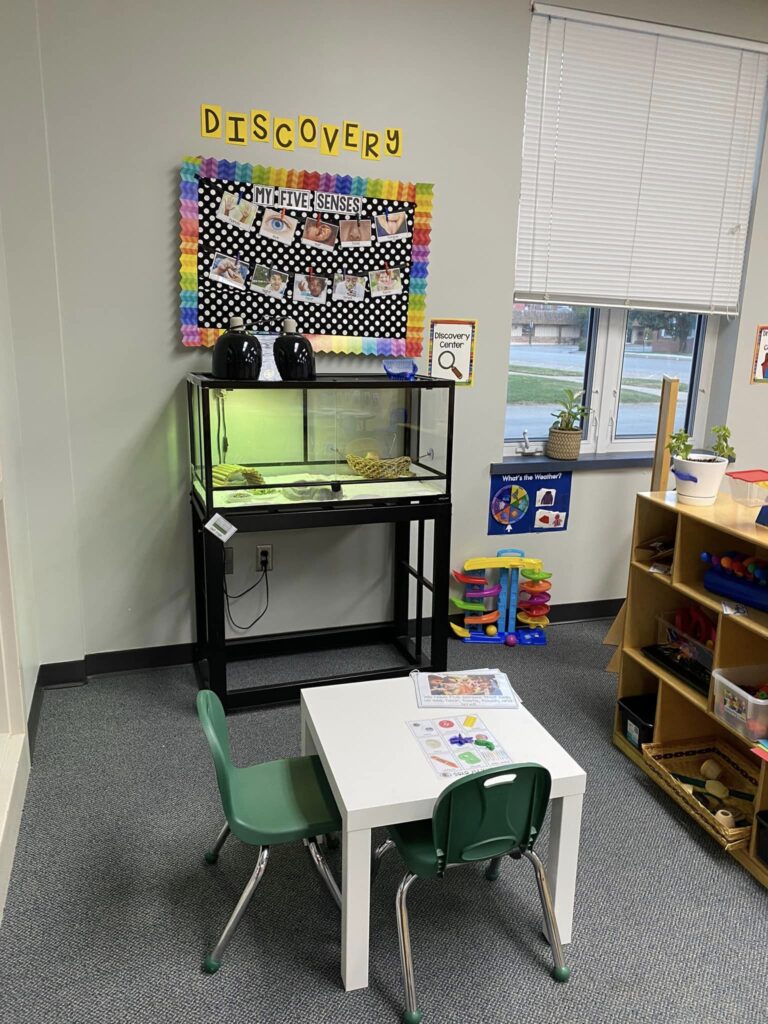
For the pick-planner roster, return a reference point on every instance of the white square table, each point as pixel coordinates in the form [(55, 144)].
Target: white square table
[(380, 776)]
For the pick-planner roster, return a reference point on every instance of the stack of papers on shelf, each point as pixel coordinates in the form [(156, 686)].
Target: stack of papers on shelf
[(468, 688), (761, 749)]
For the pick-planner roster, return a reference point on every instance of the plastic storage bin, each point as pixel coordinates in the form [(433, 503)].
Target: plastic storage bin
[(678, 652), (746, 487), (761, 824), (638, 715), (735, 703)]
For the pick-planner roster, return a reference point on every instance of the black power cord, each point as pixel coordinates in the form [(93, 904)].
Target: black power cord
[(234, 597)]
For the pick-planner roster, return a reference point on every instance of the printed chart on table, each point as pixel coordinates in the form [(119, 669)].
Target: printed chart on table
[(457, 745)]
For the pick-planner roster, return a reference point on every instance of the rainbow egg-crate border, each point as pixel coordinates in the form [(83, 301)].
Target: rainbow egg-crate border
[(192, 168)]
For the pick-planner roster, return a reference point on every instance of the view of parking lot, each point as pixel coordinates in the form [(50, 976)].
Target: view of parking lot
[(548, 351)]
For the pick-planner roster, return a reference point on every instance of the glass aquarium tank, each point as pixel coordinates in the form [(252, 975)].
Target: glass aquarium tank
[(263, 445)]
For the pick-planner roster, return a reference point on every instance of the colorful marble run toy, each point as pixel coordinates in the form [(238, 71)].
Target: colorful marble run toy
[(491, 610)]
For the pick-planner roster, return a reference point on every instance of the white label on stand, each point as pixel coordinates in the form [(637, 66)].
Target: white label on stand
[(220, 528), (733, 609)]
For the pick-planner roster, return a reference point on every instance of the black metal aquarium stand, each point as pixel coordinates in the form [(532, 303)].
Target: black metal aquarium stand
[(214, 650), (404, 632)]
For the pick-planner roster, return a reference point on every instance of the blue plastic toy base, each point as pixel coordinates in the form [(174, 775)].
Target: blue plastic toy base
[(737, 589), (525, 638)]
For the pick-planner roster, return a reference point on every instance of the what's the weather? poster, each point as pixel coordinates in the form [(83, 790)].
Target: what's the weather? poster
[(529, 502)]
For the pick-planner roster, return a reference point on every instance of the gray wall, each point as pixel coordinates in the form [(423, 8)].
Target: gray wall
[(88, 195)]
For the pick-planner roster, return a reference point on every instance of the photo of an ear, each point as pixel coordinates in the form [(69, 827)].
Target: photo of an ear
[(319, 234)]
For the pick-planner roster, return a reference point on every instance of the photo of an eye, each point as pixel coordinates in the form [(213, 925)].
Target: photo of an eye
[(278, 226)]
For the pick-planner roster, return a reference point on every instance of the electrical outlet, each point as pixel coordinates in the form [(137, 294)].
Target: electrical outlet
[(264, 551), (229, 561)]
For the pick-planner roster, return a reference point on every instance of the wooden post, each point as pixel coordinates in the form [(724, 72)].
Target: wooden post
[(667, 409), (670, 387)]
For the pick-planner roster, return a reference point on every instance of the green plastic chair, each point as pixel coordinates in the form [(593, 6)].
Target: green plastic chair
[(264, 805), (482, 817)]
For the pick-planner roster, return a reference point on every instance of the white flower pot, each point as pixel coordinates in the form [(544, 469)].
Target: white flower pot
[(698, 478)]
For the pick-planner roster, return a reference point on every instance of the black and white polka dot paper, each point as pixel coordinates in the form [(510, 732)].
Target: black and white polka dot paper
[(384, 317)]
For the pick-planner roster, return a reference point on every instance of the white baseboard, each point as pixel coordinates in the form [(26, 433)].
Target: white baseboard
[(14, 773)]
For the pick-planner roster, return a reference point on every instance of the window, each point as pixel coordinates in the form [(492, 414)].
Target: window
[(655, 344), (616, 357), (547, 352), (640, 153)]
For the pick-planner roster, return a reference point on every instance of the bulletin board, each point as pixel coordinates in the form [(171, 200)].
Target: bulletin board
[(529, 503), (345, 257)]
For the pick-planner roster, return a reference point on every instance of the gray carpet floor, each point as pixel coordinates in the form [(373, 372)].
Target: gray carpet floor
[(111, 906)]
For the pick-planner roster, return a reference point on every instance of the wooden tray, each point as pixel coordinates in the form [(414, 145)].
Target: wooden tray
[(739, 775)]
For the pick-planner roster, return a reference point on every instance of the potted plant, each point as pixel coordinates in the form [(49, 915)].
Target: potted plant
[(564, 441), (700, 474)]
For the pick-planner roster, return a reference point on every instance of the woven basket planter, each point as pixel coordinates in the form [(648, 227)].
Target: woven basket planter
[(563, 444), (380, 469)]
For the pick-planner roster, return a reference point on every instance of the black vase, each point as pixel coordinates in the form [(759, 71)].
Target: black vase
[(294, 356), (237, 354)]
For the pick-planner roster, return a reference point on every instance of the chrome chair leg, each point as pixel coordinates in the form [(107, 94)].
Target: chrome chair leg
[(323, 869), (493, 870), (560, 971), (378, 854), (212, 962), (213, 855), (412, 1015)]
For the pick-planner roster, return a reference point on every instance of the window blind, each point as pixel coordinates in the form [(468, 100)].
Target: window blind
[(640, 158)]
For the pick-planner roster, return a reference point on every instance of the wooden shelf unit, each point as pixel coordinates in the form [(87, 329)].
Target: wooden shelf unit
[(682, 713)]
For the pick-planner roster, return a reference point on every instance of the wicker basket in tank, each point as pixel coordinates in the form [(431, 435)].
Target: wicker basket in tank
[(377, 469), (563, 444)]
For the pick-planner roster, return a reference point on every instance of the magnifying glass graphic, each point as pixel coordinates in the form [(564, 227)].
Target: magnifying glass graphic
[(447, 361)]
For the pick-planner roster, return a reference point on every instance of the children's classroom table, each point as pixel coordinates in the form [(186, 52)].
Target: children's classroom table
[(380, 776)]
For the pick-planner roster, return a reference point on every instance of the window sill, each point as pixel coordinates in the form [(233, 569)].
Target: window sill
[(586, 462)]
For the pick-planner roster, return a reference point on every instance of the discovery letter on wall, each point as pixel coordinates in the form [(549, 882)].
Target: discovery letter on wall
[(529, 502)]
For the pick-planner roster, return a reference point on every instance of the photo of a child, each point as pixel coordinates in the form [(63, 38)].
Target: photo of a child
[(355, 234), (233, 209), (310, 288), (268, 281), (319, 234), (392, 226), (348, 287), (228, 270), (385, 282), (278, 226)]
